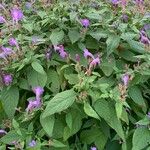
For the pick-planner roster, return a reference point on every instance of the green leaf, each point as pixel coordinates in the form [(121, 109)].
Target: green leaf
[(112, 43), (118, 107), (72, 78), (56, 143), (98, 34), (90, 111), (60, 102), (36, 79), (107, 112), (10, 137), (10, 98), (93, 135), (136, 95), (53, 81), (74, 127), (48, 124), (74, 35), (141, 138), (37, 67), (56, 36)]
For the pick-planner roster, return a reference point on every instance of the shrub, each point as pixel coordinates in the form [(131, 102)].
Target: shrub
[(75, 75)]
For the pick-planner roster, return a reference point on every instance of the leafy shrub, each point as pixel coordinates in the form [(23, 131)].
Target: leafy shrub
[(75, 75)]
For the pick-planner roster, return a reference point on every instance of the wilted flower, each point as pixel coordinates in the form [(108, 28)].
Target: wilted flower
[(16, 14), (93, 148), (125, 79), (32, 143), (2, 131), (6, 51), (13, 42), (77, 57), (87, 54), (85, 22), (7, 79), (33, 104), (38, 92), (2, 19), (95, 62)]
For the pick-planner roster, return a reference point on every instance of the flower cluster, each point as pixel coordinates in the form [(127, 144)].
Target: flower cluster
[(60, 49), (36, 103)]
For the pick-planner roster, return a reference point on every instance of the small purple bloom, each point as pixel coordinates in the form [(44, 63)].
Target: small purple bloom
[(28, 5), (93, 148), (95, 62), (38, 91), (77, 57), (2, 131), (58, 48), (13, 42), (16, 14), (48, 55), (2, 19), (148, 114), (125, 18), (7, 79), (7, 50), (143, 38), (63, 54), (85, 22), (33, 104), (125, 79), (32, 143), (146, 27), (87, 54), (115, 2)]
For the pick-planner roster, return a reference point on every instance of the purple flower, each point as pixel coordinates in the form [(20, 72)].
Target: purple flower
[(77, 57), (2, 19), (148, 114), (143, 38), (48, 55), (13, 42), (95, 62), (6, 51), (2, 131), (32, 143), (124, 17), (85, 22), (7, 79), (87, 54), (115, 2), (125, 79), (93, 148), (63, 54), (38, 92), (16, 14), (33, 104), (28, 5), (60, 49), (146, 27)]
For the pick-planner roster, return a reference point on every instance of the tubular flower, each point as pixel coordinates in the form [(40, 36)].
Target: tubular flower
[(32, 143), (87, 54), (85, 22), (33, 105), (38, 92), (125, 79), (95, 62), (93, 148), (7, 79), (16, 14)]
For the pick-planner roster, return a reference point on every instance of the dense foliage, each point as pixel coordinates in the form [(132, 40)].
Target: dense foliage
[(75, 75)]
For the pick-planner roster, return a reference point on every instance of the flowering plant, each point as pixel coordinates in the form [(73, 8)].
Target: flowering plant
[(75, 75)]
